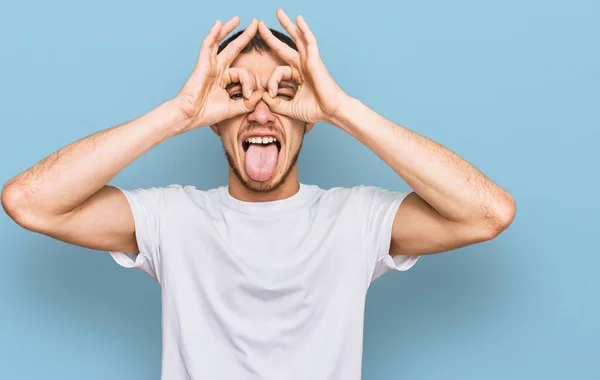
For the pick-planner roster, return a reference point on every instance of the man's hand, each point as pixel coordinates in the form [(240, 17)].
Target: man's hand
[(318, 96), (203, 99)]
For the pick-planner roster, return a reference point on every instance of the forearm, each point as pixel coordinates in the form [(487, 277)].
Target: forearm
[(455, 188), (66, 178)]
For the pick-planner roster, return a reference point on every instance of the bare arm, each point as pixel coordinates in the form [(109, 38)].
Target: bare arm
[(453, 203), (66, 195)]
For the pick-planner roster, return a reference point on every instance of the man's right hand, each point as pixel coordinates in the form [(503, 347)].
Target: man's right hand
[(204, 99)]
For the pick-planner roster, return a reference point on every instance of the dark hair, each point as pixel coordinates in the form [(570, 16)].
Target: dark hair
[(257, 43)]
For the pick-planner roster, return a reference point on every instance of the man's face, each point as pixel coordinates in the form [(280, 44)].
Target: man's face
[(261, 167)]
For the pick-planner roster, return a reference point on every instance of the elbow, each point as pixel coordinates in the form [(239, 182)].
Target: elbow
[(11, 200), (506, 211), (500, 216), (14, 203), (493, 220)]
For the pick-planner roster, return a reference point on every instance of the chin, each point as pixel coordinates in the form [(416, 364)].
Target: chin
[(262, 186), (280, 175)]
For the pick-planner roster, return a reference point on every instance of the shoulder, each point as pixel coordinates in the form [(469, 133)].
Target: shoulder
[(362, 193), (361, 199), (189, 195), (339, 192), (167, 197)]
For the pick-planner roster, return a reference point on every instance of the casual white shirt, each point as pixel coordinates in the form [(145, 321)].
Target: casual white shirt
[(263, 290)]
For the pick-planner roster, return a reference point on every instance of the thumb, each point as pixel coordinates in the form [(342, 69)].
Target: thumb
[(242, 106), (277, 105)]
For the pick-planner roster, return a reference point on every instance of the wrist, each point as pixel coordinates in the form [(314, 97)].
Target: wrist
[(346, 104), (179, 119)]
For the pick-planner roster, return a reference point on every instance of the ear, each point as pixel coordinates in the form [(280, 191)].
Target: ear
[(215, 129)]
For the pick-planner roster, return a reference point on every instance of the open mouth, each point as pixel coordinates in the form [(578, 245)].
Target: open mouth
[(263, 143), (261, 157)]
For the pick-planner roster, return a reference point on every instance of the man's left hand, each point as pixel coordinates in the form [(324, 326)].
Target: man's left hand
[(318, 97)]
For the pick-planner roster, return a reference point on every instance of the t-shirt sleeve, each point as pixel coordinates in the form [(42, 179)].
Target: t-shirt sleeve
[(380, 206), (146, 205)]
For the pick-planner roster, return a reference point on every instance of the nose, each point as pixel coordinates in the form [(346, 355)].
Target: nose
[(262, 114)]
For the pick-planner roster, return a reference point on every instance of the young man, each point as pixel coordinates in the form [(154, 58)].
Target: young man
[(265, 278)]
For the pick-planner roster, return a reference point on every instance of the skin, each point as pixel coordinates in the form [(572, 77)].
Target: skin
[(66, 195), (260, 67)]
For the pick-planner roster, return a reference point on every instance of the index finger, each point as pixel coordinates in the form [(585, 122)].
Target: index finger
[(209, 41), (292, 29), (281, 49), (243, 77), (236, 46)]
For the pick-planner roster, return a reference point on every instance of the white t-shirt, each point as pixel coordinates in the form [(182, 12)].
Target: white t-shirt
[(263, 290)]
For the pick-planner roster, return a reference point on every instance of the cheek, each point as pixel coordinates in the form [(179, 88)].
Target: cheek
[(294, 130), (299, 131), (228, 131)]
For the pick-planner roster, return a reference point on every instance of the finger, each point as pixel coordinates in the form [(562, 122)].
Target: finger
[(227, 28), (280, 73), (209, 42), (281, 49), (277, 105), (236, 46), (238, 107), (311, 41), (293, 31), (243, 77)]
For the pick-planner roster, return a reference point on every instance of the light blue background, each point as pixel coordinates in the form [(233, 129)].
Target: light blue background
[(512, 86)]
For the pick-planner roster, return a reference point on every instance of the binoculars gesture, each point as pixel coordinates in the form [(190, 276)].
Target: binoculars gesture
[(203, 98)]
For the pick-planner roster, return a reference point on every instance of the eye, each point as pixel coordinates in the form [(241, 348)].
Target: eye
[(235, 91), (285, 96), (236, 95)]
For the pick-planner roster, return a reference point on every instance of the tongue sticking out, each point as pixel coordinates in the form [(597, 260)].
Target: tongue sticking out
[(261, 161)]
